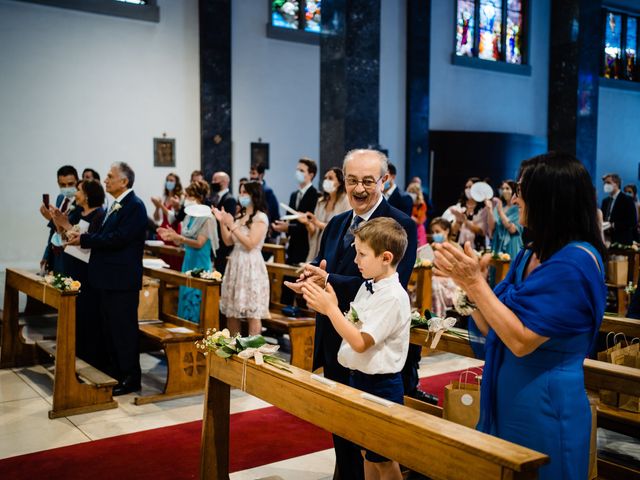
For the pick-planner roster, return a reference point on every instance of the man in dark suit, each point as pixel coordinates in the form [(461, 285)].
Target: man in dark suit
[(396, 197), (256, 174), (619, 210), (222, 198), (115, 271), (365, 172)]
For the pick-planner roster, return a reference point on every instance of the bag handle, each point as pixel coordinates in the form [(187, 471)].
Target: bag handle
[(466, 373), (607, 339), (623, 336)]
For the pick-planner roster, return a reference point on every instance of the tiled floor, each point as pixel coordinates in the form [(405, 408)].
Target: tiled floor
[(25, 399)]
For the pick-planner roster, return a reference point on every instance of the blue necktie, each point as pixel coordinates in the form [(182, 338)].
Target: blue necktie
[(347, 240)]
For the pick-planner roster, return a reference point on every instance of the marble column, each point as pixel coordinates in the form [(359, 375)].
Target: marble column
[(575, 51), (349, 78), (418, 56), (215, 85)]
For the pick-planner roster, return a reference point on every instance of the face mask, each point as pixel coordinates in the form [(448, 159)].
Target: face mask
[(170, 185), (387, 185), (254, 179), (215, 187), (608, 188), (630, 194), (68, 192), (328, 186), (467, 192), (244, 201), (413, 196), (438, 237), (299, 176), (188, 203)]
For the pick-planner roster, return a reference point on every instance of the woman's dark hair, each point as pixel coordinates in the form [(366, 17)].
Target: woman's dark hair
[(254, 189), (198, 189), (178, 188), (94, 174), (632, 187), (463, 198), (94, 192), (341, 190), (513, 187), (560, 204)]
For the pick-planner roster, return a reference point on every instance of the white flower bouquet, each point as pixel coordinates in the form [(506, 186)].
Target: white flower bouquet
[(59, 281)]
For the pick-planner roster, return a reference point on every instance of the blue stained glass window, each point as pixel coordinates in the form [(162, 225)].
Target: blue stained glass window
[(312, 16), (612, 47), (514, 32), (631, 47), (490, 26), (465, 26), (285, 14)]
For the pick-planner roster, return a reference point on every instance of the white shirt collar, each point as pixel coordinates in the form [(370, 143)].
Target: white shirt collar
[(388, 193), (222, 193), (384, 282), (616, 195), (123, 194), (366, 215), (304, 189)]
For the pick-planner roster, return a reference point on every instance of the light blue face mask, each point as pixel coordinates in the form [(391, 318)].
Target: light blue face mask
[(169, 185), (299, 176), (68, 192), (438, 237), (244, 201), (387, 185)]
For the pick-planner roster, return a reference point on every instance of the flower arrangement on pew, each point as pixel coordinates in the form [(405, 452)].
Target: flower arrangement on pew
[(621, 246), (423, 263), (501, 256), (435, 325), (255, 346), (59, 281), (462, 304), (204, 274)]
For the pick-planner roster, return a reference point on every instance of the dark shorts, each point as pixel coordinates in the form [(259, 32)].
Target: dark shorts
[(384, 385)]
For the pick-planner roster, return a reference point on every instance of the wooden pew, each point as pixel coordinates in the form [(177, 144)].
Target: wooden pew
[(629, 326), (397, 432), (420, 283), (502, 268), (278, 251), (301, 330), (186, 369), (70, 396)]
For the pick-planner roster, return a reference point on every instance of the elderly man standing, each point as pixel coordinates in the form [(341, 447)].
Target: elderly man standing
[(115, 271), (365, 172)]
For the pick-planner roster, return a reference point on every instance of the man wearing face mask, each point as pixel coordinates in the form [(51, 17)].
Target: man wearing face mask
[(394, 196), (221, 198), (619, 210), (65, 202)]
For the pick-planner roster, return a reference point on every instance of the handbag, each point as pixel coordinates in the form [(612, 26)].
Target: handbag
[(631, 358), (461, 403), (613, 355)]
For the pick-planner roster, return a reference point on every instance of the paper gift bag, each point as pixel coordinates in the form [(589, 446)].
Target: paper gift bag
[(148, 304), (618, 270), (611, 355), (631, 403), (462, 401)]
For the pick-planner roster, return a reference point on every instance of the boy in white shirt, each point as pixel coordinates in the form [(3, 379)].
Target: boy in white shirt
[(375, 331)]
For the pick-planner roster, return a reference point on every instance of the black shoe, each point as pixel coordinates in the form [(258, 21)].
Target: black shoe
[(128, 385), (424, 397)]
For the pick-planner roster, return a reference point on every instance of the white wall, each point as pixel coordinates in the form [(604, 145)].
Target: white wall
[(471, 99), (87, 90)]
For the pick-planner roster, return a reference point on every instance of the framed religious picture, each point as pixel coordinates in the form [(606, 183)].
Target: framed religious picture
[(260, 153), (164, 152)]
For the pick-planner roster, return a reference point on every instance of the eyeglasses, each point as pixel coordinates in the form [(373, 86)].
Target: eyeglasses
[(367, 182)]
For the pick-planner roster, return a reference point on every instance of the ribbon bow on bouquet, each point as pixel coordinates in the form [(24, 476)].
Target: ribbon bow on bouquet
[(437, 326), (258, 353)]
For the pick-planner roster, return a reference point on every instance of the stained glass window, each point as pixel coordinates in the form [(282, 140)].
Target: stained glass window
[(285, 14), (301, 16), (620, 55), (491, 30), (465, 28)]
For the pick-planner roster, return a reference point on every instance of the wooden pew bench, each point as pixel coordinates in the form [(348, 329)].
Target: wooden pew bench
[(397, 432), (77, 386), (186, 369)]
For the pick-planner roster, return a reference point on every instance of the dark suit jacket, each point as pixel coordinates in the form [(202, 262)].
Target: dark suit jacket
[(345, 278), (229, 204), (298, 247), (116, 249), (623, 217), (401, 200), (272, 203)]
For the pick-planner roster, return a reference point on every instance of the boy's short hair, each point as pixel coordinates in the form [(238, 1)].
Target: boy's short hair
[(312, 166), (384, 234)]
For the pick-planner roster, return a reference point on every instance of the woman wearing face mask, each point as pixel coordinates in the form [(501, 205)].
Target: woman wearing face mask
[(165, 212), (333, 202), (443, 289), (469, 219), (507, 231), (199, 236), (419, 211), (245, 285)]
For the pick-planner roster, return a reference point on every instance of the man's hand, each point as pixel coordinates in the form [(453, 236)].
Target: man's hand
[(60, 219), (44, 211), (311, 274), (280, 226), (321, 300)]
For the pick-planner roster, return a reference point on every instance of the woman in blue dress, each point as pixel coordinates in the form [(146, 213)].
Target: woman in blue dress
[(541, 321), (505, 222), (200, 239)]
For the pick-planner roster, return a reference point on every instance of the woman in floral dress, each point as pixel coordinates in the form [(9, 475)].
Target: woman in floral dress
[(245, 285)]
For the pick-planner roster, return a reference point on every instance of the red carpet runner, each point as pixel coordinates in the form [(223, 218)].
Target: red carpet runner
[(258, 437)]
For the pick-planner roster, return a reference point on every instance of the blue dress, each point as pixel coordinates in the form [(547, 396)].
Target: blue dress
[(189, 298), (503, 241), (539, 400)]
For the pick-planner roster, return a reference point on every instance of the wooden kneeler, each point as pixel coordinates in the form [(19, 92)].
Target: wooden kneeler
[(422, 442), (70, 396)]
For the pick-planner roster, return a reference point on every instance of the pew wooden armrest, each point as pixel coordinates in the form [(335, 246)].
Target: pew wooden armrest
[(278, 252), (629, 326), (158, 250)]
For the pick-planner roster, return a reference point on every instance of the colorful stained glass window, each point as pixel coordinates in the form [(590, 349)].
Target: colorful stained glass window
[(514, 32), (490, 26), (312, 16), (612, 47), (631, 48), (284, 14), (465, 28)]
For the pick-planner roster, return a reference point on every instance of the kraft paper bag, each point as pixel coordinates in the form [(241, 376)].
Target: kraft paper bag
[(462, 401), (630, 403), (611, 355)]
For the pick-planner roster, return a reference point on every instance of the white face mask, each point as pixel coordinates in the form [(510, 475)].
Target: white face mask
[(413, 196), (467, 192), (299, 176), (608, 188), (328, 186)]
